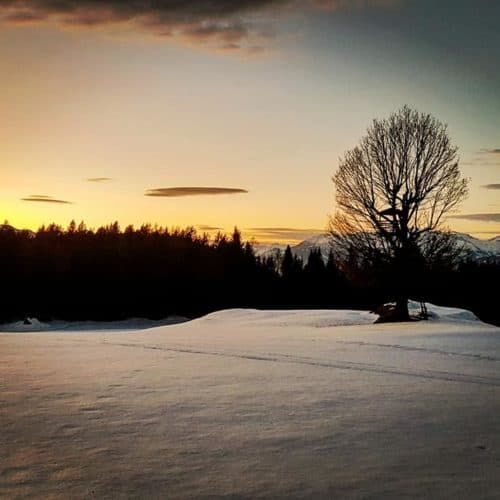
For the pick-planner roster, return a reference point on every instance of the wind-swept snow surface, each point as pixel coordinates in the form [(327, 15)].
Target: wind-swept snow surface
[(255, 404)]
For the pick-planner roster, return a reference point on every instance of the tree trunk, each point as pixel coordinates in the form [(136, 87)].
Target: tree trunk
[(402, 313)]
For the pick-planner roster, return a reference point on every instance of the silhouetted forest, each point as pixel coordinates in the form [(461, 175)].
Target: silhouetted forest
[(107, 274)]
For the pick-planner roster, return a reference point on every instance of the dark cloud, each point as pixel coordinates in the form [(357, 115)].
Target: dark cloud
[(219, 22), (45, 199), (479, 217), (342, 4), (228, 24), (98, 179), (492, 186), (174, 192)]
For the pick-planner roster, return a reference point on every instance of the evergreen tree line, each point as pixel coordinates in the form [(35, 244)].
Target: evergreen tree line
[(76, 273)]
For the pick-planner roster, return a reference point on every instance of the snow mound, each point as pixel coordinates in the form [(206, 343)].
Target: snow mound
[(29, 325), (443, 313), (302, 318), (324, 318)]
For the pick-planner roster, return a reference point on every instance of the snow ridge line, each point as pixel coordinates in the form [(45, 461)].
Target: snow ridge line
[(336, 364)]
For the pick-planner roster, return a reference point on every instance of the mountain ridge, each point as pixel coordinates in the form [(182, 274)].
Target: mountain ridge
[(477, 248)]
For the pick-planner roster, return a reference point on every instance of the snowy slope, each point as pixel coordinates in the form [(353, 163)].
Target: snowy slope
[(255, 404)]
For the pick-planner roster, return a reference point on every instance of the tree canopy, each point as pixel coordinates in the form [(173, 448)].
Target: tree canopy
[(393, 192)]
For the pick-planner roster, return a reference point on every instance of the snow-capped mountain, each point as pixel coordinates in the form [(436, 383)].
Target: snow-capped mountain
[(7, 228), (480, 249), (475, 247)]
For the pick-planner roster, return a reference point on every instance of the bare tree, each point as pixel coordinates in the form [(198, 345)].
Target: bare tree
[(393, 192)]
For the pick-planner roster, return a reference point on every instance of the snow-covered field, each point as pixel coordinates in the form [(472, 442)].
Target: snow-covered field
[(254, 404)]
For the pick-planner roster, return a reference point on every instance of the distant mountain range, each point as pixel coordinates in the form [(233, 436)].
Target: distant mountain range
[(478, 249)]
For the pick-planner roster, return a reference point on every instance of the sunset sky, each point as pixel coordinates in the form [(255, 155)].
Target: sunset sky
[(108, 107)]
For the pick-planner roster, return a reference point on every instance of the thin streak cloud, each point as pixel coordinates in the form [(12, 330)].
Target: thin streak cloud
[(283, 233), (488, 151), (175, 192), (99, 179), (204, 227), (495, 217), (284, 229), (41, 198), (491, 186)]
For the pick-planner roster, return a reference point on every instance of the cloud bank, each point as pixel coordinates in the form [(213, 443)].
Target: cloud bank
[(223, 24), (41, 198), (174, 192)]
